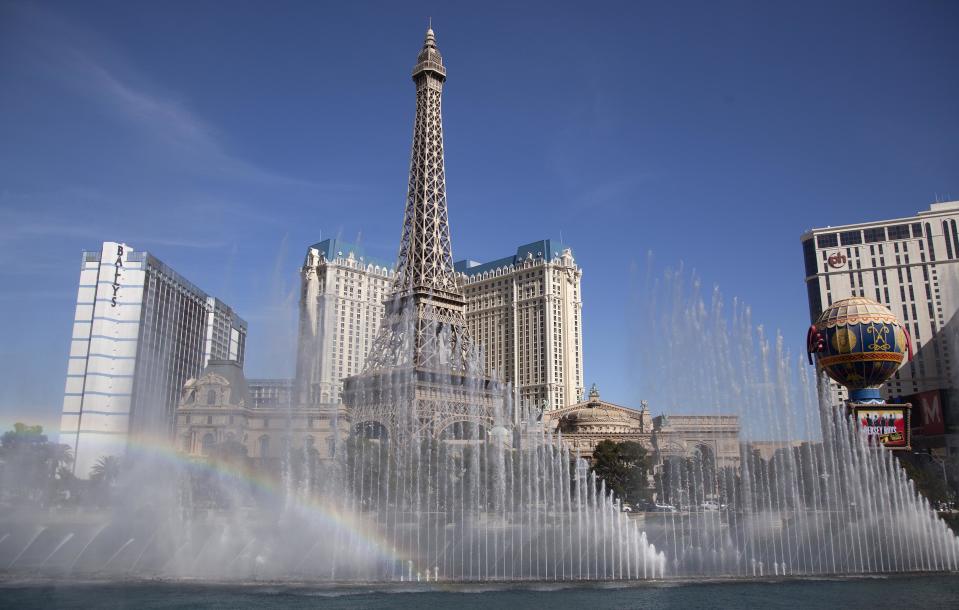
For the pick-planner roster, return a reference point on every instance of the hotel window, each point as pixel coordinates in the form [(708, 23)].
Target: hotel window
[(899, 232), (945, 234), (874, 235), (850, 238)]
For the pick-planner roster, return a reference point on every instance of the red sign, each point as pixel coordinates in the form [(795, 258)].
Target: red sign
[(927, 408), (886, 425), (837, 260)]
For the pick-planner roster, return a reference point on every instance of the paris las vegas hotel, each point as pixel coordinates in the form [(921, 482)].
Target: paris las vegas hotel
[(524, 310)]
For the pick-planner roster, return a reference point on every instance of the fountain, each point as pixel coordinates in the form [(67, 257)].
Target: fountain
[(443, 478), (495, 497), (833, 504)]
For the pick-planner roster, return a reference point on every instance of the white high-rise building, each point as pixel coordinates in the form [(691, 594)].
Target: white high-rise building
[(140, 331), (525, 312), (341, 306), (225, 333), (911, 265)]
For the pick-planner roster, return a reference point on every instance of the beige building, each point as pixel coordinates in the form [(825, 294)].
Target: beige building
[(341, 306), (911, 265), (768, 449), (271, 393), (525, 312), (585, 424), (217, 408)]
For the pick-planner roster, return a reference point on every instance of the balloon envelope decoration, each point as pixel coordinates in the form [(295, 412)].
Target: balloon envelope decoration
[(860, 344)]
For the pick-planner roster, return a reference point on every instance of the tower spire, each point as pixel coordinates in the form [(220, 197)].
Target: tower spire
[(425, 281), (423, 373)]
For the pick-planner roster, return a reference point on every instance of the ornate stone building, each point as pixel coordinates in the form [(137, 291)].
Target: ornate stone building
[(686, 436), (585, 424), (217, 408)]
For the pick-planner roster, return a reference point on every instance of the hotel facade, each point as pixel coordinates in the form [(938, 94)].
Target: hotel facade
[(909, 264), (524, 311), (140, 330), (341, 307)]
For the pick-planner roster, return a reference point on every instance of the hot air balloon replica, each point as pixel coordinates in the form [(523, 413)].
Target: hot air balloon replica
[(860, 343)]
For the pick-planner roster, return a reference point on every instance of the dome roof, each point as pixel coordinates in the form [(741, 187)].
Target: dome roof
[(591, 418), (226, 374), (853, 311), (599, 414)]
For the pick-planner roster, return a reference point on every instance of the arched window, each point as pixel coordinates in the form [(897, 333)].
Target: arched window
[(945, 234), (208, 441), (932, 248), (211, 397), (264, 443)]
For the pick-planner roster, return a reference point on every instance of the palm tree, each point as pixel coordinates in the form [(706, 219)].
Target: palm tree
[(106, 471), (58, 456)]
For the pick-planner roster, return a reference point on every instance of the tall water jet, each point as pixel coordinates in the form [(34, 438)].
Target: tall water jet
[(831, 503)]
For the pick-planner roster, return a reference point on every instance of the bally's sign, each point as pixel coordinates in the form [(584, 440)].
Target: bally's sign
[(117, 267)]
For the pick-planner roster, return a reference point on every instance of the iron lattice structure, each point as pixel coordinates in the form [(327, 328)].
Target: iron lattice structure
[(423, 364)]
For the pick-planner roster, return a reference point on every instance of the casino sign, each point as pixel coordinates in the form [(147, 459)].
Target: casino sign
[(837, 260)]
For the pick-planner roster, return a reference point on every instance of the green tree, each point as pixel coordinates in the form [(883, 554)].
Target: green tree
[(625, 468), (32, 465), (926, 476)]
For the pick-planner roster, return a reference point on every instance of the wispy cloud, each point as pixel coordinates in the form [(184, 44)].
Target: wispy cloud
[(611, 195), (167, 122), (50, 47)]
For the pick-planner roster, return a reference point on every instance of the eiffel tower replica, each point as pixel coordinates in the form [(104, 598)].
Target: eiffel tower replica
[(422, 377)]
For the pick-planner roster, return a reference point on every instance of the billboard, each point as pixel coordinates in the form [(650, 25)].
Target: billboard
[(886, 425), (927, 417)]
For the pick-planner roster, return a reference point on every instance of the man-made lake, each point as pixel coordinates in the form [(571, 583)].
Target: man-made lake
[(925, 591)]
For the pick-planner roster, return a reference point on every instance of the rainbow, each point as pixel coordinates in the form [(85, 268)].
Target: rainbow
[(352, 524)]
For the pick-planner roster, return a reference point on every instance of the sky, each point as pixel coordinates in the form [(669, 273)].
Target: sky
[(225, 138)]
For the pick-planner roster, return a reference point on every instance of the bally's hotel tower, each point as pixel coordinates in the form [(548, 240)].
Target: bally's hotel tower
[(140, 330)]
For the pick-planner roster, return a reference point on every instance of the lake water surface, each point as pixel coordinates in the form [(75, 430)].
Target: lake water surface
[(925, 591)]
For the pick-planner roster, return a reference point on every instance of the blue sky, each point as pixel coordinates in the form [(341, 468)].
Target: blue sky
[(227, 137)]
